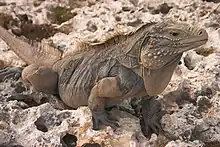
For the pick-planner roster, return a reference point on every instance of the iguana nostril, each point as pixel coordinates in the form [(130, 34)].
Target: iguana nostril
[(202, 33)]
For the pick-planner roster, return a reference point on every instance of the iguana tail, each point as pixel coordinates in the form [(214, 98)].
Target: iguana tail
[(46, 56)]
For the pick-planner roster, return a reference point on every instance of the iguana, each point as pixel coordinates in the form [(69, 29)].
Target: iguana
[(136, 64)]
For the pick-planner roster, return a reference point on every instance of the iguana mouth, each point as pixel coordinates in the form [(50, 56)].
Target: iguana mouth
[(195, 40), (182, 47), (190, 45), (202, 41), (176, 49)]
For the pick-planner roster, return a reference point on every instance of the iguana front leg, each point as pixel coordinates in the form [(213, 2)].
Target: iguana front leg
[(104, 89), (151, 114), (40, 77)]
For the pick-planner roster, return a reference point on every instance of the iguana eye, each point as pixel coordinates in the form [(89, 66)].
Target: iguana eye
[(174, 34)]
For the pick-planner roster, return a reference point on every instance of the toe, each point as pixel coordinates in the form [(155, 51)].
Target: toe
[(101, 118), (113, 124), (95, 123)]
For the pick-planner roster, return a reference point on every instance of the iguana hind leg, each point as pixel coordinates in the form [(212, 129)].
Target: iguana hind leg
[(103, 90), (41, 78)]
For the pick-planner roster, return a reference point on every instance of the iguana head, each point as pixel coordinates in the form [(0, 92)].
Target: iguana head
[(166, 41)]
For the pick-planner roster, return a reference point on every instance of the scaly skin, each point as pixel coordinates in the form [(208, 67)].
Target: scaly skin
[(138, 64)]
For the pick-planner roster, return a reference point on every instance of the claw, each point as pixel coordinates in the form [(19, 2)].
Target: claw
[(102, 118), (10, 72)]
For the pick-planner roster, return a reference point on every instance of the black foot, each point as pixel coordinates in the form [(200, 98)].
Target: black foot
[(10, 72), (152, 114), (102, 118)]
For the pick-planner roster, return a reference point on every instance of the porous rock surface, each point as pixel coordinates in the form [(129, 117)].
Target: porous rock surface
[(191, 100)]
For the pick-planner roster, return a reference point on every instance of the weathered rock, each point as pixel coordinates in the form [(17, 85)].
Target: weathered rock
[(44, 125), (180, 125), (179, 143), (191, 59), (207, 129)]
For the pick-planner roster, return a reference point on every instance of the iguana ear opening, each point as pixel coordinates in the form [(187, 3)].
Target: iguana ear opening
[(130, 56), (156, 80)]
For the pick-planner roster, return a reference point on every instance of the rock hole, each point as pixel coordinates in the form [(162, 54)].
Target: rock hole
[(163, 8), (40, 124), (60, 14), (10, 145), (214, 1), (205, 91), (205, 51), (23, 26), (91, 26), (209, 92), (126, 8), (44, 100), (69, 140), (27, 99), (3, 4), (19, 87), (5, 94), (91, 145), (212, 144), (117, 18)]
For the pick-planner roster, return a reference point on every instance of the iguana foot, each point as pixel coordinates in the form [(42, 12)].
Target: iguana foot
[(103, 118), (152, 113), (10, 72)]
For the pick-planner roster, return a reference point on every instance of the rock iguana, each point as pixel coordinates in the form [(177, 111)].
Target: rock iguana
[(137, 64)]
